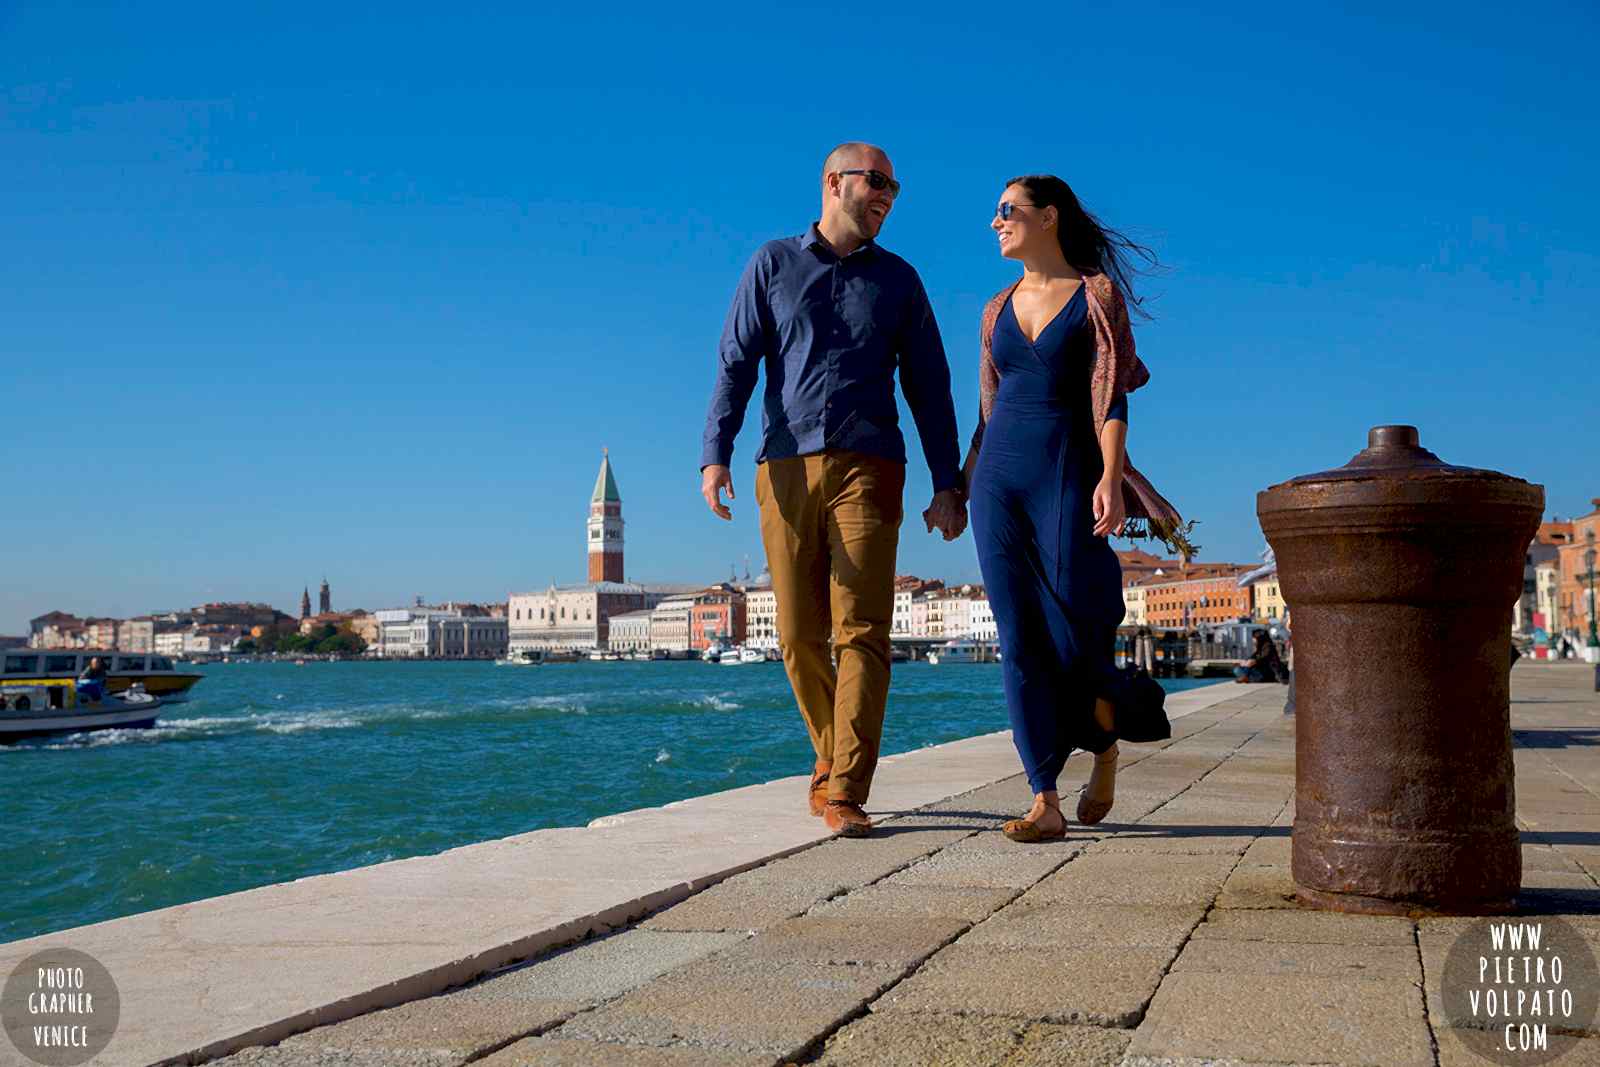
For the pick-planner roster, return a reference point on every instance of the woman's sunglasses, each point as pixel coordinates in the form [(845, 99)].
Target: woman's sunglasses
[(1007, 209), (876, 179)]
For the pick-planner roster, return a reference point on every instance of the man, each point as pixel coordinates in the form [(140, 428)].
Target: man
[(831, 315), (92, 681)]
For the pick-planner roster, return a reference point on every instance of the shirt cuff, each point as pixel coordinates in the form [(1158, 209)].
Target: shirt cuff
[(716, 454)]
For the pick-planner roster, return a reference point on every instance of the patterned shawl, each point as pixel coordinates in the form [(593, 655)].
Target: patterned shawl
[(1117, 371)]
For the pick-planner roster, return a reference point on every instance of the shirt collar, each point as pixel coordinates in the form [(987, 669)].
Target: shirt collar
[(814, 237)]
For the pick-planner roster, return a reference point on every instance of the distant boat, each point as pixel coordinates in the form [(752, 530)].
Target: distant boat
[(53, 706), (156, 673), (961, 650)]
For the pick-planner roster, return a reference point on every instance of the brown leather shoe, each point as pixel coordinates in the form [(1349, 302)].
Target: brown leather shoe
[(819, 787), (846, 818)]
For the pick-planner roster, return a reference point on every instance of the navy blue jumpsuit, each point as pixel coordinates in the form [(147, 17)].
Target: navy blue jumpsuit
[(1055, 587)]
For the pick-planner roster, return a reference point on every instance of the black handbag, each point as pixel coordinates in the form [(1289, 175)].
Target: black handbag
[(1141, 705)]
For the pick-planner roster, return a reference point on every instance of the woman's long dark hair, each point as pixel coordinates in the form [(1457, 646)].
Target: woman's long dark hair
[(1090, 245)]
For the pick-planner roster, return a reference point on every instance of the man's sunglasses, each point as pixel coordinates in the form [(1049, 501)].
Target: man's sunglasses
[(876, 179), (1007, 209)]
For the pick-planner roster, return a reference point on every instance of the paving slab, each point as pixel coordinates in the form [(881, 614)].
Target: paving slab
[(1051, 1045), (603, 968), (780, 1010), (1312, 959), (900, 943), (1099, 986), (1312, 927), (1063, 925), (1113, 878), (1463, 1050), (557, 1052), (966, 864), (1259, 887), (915, 1041), (883, 901), (1221, 1017)]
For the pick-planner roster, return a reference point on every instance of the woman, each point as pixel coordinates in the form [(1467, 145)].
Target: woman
[(1048, 482)]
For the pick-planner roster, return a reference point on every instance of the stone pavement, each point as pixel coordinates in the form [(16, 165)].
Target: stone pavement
[(1167, 935)]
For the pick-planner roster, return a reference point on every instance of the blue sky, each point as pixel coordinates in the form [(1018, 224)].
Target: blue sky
[(362, 290)]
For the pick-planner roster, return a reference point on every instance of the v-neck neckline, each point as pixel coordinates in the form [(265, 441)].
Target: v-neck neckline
[(1062, 310)]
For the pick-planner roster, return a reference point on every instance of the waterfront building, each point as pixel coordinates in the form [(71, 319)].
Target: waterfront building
[(907, 587), (325, 598), (1546, 598), (630, 632), (761, 618), (1133, 609), (719, 615), (572, 617), (1574, 608), (335, 619), (56, 629), (210, 640), (242, 615), (1137, 563), (1196, 594), (137, 635), (473, 636), (364, 624), (1266, 599), (605, 526), (100, 633), (669, 624), (922, 615), (412, 633), (1526, 616), (170, 642), (980, 620)]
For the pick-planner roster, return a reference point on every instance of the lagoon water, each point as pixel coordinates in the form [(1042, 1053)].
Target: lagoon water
[(273, 771)]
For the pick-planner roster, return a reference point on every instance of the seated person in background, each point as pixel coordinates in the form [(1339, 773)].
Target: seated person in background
[(92, 682), (1263, 664)]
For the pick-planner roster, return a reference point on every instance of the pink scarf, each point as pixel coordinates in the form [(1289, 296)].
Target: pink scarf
[(1117, 372)]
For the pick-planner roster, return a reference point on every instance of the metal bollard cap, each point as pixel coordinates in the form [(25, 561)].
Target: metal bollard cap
[(1394, 468)]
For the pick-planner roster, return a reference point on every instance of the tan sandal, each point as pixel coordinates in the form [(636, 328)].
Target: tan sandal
[(1091, 810), (1027, 832)]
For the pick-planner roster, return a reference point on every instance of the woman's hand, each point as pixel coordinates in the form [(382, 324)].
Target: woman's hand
[(1109, 508)]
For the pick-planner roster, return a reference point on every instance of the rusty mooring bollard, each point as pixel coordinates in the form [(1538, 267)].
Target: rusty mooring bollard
[(1400, 571)]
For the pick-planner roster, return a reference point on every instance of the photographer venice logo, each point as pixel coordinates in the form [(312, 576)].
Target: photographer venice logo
[(1519, 991), (60, 1007)]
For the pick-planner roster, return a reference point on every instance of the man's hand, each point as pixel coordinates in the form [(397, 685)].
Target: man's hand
[(948, 513), (713, 480)]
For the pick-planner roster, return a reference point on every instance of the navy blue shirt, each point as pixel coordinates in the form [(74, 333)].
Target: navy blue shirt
[(831, 332)]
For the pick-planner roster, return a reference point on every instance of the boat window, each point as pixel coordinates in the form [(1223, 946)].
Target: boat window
[(61, 664), (160, 663), (22, 664), (130, 663)]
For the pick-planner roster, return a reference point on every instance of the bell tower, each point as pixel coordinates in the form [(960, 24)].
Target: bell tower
[(605, 526)]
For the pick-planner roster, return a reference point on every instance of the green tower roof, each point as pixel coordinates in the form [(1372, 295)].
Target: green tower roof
[(605, 486)]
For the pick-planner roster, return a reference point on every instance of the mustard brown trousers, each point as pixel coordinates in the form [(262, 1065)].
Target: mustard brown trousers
[(830, 522)]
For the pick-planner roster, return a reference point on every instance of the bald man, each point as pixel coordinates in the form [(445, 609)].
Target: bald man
[(832, 315)]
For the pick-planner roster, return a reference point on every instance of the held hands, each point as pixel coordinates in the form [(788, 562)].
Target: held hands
[(713, 480), (1109, 508), (948, 513)]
